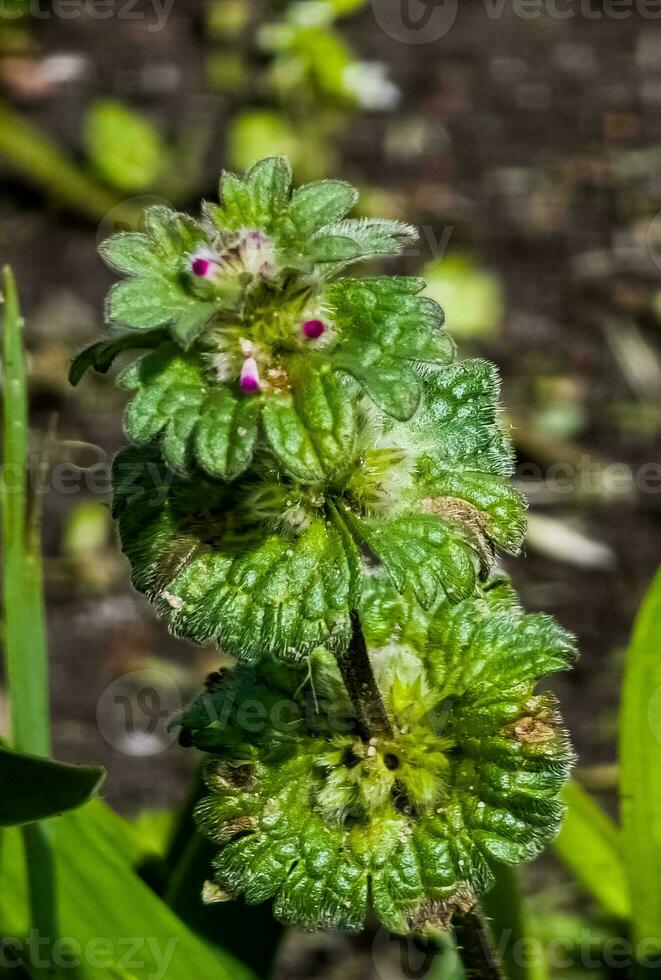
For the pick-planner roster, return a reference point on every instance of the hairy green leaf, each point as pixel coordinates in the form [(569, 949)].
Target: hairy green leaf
[(218, 576), (170, 392), (306, 813), (226, 433), (391, 384), (316, 205), (422, 552), (458, 424), (147, 302), (313, 429), (389, 313), (131, 252)]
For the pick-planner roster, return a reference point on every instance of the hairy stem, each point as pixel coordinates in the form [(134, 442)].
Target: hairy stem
[(478, 956), (361, 686)]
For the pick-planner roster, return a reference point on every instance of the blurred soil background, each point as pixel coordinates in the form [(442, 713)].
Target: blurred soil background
[(529, 153)]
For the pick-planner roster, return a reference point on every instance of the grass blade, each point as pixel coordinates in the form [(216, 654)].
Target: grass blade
[(513, 930), (24, 616), (640, 766), (110, 919), (590, 845), (25, 633)]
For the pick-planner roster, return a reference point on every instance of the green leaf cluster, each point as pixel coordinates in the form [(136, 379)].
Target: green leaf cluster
[(306, 456), (274, 561), (307, 813)]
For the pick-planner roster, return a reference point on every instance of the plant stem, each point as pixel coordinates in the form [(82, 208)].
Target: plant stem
[(24, 616), (478, 956), (31, 153), (361, 686)]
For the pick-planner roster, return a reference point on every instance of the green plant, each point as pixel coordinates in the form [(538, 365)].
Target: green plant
[(46, 866), (315, 486)]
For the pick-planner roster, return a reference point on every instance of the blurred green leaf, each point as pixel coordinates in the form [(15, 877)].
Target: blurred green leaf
[(513, 929), (640, 766), (154, 829), (112, 919), (42, 787), (343, 7), (27, 151), (123, 147), (226, 20), (326, 57), (472, 297), (87, 529), (590, 845), (446, 964), (262, 133)]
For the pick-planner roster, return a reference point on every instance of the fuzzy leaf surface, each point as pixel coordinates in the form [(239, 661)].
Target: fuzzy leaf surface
[(472, 773), (218, 577)]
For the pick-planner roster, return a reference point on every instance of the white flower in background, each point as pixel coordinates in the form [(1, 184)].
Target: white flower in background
[(368, 82)]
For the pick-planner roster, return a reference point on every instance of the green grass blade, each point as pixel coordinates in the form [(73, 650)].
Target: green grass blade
[(111, 918), (24, 616), (25, 646), (640, 768), (513, 929), (590, 845)]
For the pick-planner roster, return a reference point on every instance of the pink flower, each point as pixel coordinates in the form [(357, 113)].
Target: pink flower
[(203, 263), (250, 375), (257, 252), (200, 267), (313, 329)]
